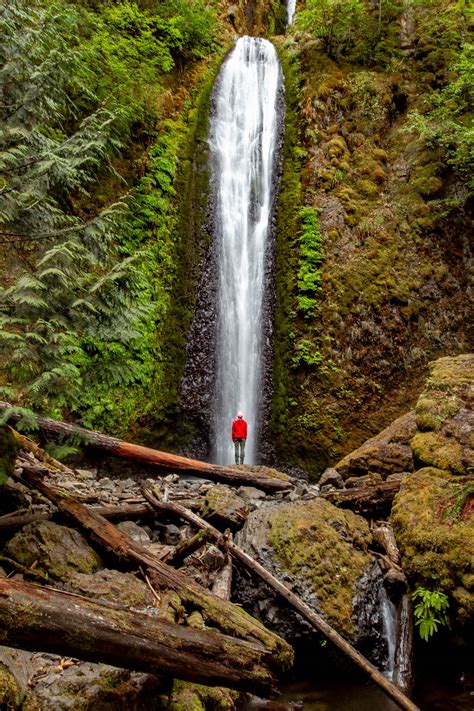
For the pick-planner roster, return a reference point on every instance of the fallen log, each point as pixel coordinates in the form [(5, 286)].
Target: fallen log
[(42, 619), (176, 557), (228, 618), (366, 500), (301, 607), (222, 585), (162, 460), (15, 521)]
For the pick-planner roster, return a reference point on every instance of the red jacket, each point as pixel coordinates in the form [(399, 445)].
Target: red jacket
[(239, 429)]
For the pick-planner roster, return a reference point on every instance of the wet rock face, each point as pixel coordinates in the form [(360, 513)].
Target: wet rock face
[(319, 550), (57, 550)]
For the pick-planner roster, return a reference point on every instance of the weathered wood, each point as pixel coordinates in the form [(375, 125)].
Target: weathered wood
[(227, 617), (185, 548), (366, 500), (222, 584), (37, 618), (383, 534), (120, 512), (154, 457), (301, 607)]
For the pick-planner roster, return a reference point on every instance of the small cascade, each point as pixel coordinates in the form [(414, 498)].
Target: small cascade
[(389, 621), (243, 142), (290, 10), (403, 672)]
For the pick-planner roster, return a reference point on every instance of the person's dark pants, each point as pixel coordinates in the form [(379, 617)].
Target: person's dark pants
[(239, 445)]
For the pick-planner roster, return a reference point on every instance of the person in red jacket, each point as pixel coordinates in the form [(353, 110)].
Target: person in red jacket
[(239, 437)]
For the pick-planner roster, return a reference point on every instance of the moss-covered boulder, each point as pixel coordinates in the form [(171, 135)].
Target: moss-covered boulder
[(434, 527), (57, 550), (113, 586), (387, 453), (445, 418), (195, 697), (223, 506), (320, 550), (8, 450)]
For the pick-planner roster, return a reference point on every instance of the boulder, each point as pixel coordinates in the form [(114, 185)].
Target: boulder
[(114, 586), (320, 551), (224, 507), (436, 537), (136, 532), (87, 687), (331, 477), (57, 550), (445, 417), (387, 453)]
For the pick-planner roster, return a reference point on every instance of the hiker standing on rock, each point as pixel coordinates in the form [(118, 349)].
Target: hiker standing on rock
[(239, 436)]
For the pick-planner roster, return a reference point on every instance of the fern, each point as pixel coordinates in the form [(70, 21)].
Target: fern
[(430, 611)]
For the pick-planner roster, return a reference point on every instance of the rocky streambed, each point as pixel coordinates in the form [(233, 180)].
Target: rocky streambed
[(393, 516)]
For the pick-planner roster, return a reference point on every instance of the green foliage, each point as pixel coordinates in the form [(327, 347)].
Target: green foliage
[(352, 29), (78, 317), (448, 122), (309, 274), (306, 354), (431, 610)]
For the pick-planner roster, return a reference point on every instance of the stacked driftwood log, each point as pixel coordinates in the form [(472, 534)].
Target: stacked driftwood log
[(193, 633)]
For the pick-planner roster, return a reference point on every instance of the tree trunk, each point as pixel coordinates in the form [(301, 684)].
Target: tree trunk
[(366, 500), (37, 618), (162, 460), (18, 519), (227, 617), (304, 610)]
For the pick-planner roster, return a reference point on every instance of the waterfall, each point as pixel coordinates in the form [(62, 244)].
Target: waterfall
[(389, 621), (243, 140), (290, 10)]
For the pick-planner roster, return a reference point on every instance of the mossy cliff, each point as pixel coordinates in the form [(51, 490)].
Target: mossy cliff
[(432, 514), (391, 212)]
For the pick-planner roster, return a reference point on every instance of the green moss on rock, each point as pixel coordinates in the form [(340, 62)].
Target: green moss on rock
[(433, 449), (435, 541), (326, 547), (196, 697), (10, 693), (8, 450), (56, 550)]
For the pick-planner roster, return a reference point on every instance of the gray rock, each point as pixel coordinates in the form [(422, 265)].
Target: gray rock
[(251, 493), (171, 535), (136, 532), (58, 550), (331, 476)]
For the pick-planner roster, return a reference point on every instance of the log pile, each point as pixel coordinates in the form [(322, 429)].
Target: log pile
[(192, 632)]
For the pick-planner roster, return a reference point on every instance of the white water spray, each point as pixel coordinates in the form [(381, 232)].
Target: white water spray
[(389, 620), (290, 10), (243, 139)]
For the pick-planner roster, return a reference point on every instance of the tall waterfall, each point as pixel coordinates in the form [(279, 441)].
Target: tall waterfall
[(243, 139), (290, 10)]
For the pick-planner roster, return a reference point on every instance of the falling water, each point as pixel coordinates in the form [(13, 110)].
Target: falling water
[(243, 140), (389, 621), (290, 10)]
